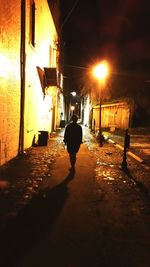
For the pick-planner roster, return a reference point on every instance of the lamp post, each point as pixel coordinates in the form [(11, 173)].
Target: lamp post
[(72, 108), (100, 72)]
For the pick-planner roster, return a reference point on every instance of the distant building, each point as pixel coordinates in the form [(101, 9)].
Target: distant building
[(114, 116), (30, 82)]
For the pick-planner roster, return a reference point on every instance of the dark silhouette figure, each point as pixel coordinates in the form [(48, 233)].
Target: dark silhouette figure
[(73, 139)]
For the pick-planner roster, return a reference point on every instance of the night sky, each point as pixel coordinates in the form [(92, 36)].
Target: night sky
[(116, 30)]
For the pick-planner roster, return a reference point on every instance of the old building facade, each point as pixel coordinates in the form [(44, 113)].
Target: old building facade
[(28, 102)]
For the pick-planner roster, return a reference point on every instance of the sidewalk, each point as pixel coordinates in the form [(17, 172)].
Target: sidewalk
[(42, 197), (29, 174), (50, 217), (24, 176), (139, 142)]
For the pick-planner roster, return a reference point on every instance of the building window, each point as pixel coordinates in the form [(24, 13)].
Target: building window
[(51, 56), (54, 57), (32, 22)]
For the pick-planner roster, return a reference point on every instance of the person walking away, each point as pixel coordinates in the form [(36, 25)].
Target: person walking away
[(73, 139)]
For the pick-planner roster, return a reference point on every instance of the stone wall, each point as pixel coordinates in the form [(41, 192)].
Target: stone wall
[(37, 55)]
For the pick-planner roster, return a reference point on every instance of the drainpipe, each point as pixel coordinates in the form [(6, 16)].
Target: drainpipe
[(22, 76)]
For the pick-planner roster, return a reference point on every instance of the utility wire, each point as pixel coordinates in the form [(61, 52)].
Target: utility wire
[(67, 17), (76, 67), (119, 73)]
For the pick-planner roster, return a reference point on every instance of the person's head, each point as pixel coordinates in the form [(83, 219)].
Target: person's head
[(74, 118)]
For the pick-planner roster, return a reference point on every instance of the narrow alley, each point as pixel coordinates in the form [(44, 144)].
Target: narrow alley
[(97, 217)]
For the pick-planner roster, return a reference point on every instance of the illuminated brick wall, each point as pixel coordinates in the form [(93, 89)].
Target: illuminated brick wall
[(9, 78), (38, 109)]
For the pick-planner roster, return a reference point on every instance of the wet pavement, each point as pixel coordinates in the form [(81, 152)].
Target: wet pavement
[(99, 216), (139, 142), (24, 176)]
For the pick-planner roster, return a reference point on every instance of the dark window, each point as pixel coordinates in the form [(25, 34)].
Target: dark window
[(32, 22), (50, 76)]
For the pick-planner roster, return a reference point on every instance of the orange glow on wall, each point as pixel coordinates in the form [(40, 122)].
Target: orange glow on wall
[(4, 65)]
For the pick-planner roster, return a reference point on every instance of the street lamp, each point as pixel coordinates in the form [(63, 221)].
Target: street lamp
[(100, 72), (73, 93), (72, 108)]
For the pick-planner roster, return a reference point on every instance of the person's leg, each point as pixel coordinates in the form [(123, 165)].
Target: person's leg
[(72, 159)]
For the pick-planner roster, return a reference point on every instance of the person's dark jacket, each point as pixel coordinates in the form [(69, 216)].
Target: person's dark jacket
[(73, 137)]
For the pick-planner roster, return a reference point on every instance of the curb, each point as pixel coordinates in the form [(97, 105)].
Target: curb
[(128, 152)]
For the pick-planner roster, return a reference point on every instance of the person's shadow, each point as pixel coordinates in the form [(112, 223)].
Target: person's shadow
[(32, 223)]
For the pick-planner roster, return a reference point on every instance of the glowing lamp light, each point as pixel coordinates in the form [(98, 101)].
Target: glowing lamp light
[(73, 93), (72, 108), (101, 70)]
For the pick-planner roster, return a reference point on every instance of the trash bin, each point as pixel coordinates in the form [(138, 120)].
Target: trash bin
[(62, 123), (43, 138)]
